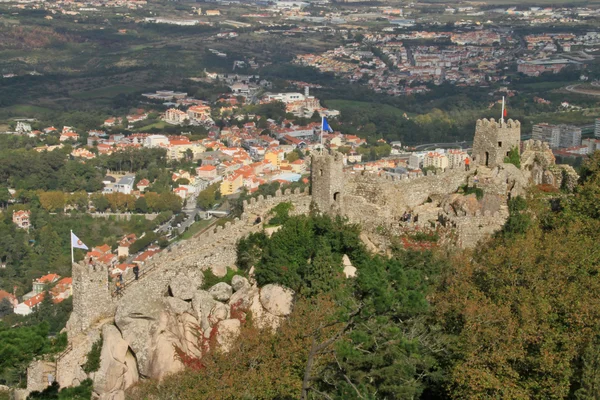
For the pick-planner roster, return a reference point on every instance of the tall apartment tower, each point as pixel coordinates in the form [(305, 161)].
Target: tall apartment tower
[(547, 133), (570, 136), (494, 140)]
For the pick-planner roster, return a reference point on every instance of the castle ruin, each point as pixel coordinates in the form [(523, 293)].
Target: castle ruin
[(327, 179), (150, 321), (494, 140)]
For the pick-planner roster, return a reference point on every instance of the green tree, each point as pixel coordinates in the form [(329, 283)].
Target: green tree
[(6, 308)]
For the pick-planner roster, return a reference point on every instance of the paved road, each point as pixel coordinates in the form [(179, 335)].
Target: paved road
[(463, 145), (573, 89)]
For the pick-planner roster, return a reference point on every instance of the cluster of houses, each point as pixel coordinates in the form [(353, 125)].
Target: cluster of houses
[(57, 287), (475, 56)]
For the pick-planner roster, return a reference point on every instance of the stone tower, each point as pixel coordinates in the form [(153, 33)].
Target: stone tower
[(92, 299), (494, 140), (327, 180)]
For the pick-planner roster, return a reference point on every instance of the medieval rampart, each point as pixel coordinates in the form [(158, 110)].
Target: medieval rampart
[(375, 201)]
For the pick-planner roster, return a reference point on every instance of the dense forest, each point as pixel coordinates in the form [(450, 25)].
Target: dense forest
[(517, 317)]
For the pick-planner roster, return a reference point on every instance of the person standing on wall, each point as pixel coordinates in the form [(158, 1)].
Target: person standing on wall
[(467, 162)]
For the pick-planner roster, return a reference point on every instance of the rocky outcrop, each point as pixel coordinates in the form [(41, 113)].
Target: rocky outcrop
[(185, 283), (118, 367)]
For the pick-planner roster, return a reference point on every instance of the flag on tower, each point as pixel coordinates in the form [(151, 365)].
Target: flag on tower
[(77, 243), (325, 126)]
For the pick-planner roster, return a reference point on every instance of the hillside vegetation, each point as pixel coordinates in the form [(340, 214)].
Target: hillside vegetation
[(517, 318)]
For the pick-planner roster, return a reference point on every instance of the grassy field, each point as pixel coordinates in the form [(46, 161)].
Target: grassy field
[(349, 105), (24, 111), (158, 125), (105, 92)]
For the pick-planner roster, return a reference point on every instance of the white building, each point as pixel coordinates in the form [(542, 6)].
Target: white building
[(436, 160), (597, 128), (156, 141), (456, 158), (175, 117), (124, 185)]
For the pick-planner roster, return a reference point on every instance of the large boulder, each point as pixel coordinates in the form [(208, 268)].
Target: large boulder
[(177, 306), (218, 313), (242, 299), (118, 368), (277, 300), (139, 323), (173, 333), (185, 283), (221, 291), (238, 282), (202, 303), (227, 332)]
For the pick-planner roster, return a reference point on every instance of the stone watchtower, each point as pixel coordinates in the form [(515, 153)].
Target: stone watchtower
[(327, 180), (92, 299), (494, 140)]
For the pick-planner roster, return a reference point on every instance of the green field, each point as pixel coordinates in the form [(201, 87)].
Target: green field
[(105, 92), (157, 125), (24, 111)]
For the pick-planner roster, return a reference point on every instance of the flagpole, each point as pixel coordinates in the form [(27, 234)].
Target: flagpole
[(322, 123), (502, 117), (71, 240)]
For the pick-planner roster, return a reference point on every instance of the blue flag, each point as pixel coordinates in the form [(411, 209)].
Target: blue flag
[(325, 126)]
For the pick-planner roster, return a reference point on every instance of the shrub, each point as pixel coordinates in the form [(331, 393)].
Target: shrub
[(513, 158), (93, 358)]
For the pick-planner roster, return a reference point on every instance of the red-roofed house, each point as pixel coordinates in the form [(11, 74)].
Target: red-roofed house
[(181, 192), (40, 283), (143, 184), (28, 306), (11, 298), (62, 290), (124, 244), (68, 136), (21, 218), (206, 171)]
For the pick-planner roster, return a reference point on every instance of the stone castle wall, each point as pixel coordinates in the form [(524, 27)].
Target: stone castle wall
[(493, 140), (327, 177), (93, 301), (375, 201)]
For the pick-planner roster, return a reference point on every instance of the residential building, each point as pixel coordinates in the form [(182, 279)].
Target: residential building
[(124, 244), (232, 184), (21, 218), (29, 305), (206, 172), (547, 133), (437, 160), (175, 117), (62, 290), (156, 141), (143, 184), (415, 160), (456, 158), (597, 128), (274, 157), (68, 136), (591, 144), (181, 192), (570, 136), (124, 185), (40, 284)]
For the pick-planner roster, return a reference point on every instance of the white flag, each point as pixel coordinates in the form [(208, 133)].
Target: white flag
[(77, 243)]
